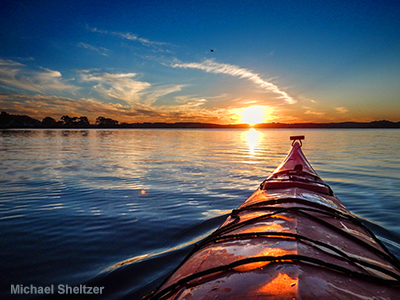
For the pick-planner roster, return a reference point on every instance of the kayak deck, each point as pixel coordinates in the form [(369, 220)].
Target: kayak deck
[(291, 239)]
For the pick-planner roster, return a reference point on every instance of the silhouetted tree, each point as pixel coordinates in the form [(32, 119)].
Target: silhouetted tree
[(67, 120), (75, 121), (83, 121), (49, 121), (106, 122)]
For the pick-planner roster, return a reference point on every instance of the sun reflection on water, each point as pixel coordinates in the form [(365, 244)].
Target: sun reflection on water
[(253, 139)]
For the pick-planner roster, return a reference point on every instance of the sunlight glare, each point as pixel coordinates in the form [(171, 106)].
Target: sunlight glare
[(253, 115)]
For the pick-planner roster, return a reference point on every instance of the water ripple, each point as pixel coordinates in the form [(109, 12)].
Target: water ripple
[(74, 203)]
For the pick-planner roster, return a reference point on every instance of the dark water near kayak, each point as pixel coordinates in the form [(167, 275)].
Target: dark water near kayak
[(121, 208)]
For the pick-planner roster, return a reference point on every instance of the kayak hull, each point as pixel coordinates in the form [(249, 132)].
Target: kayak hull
[(284, 281), (291, 239)]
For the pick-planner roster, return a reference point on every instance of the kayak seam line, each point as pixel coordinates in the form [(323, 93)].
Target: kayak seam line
[(343, 254), (301, 210), (330, 212), (378, 252), (335, 214), (256, 206)]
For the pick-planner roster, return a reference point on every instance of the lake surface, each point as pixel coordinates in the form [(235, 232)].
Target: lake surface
[(122, 208)]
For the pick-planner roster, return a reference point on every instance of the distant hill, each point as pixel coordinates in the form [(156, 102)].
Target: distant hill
[(17, 121), (23, 121)]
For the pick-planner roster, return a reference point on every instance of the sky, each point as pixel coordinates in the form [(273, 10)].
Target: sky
[(224, 62)]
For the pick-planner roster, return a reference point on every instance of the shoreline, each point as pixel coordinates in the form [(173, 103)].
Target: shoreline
[(9, 121), (183, 125)]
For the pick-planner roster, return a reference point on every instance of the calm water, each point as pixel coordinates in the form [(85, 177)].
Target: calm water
[(121, 208)]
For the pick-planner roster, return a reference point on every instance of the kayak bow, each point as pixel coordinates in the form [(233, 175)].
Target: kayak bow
[(291, 239)]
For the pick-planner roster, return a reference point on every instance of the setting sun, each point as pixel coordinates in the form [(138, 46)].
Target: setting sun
[(253, 115)]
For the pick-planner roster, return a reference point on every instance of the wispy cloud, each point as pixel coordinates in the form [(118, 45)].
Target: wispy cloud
[(128, 36), (210, 66), (126, 87), (100, 50), (309, 111), (189, 101), (9, 63), (121, 86), (40, 106), (158, 91), (14, 75), (341, 109)]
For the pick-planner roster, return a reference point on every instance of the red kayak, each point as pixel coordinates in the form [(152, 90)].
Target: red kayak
[(291, 239)]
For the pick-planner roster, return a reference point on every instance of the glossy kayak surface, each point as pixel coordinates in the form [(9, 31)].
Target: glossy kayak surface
[(291, 239)]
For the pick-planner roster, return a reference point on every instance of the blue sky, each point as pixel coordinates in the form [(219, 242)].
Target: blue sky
[(151, 61)]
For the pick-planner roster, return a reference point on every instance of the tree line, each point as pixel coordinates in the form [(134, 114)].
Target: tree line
[(79, 121), (23, 121), (8, 120)]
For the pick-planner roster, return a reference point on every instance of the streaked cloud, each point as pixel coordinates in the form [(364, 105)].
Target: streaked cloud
[(310, 111), (40, 106), (189, 101), (14, 75), (341, 109), (126, 87), (313, 112), (100, 50), (210, 66), (158, 91), (121, 86), (9, 63), (128, 36)]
